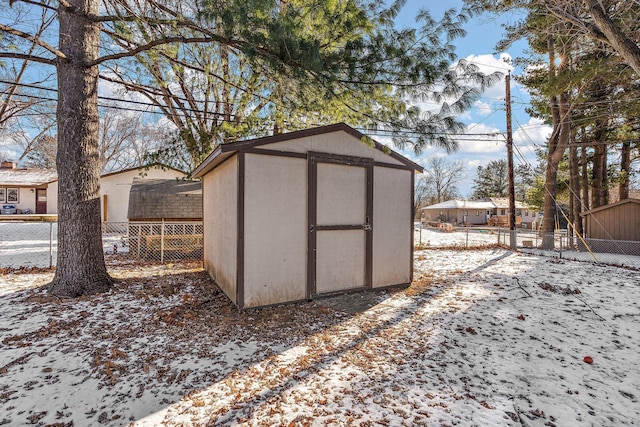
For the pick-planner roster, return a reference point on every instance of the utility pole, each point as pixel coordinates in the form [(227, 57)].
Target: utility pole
[(512, 192)]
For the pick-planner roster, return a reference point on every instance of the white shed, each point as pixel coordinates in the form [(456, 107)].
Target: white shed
[(306, 214)]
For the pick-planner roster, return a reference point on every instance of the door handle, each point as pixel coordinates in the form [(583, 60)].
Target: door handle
[(366, 227)]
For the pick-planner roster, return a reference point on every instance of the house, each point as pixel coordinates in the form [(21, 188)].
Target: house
[(526, 216), (165, 217), (493, 212), (614, 228), (306, 214), (24, 190), (467, 212), (114, 189)]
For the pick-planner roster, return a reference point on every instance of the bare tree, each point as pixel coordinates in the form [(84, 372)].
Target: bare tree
[(441, 178)]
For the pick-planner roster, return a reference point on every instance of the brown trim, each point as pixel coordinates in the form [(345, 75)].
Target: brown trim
[(278, 153), (340, 159), (240, 227), (411, 235), (338, 227), (312, 215), (392, 166), (368, 273)]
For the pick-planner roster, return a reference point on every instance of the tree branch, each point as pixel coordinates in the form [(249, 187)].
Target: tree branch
[(14, 55), (32, 39)]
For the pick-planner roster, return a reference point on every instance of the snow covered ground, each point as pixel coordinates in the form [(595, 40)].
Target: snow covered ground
[(482, 337)]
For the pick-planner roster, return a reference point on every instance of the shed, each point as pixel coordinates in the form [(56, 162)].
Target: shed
[(618, 221), (165, 218), (306, 214)]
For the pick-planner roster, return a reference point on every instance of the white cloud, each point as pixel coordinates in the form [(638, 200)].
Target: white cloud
[(483, 108)]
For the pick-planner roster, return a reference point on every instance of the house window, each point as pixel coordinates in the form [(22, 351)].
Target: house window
[(503, 212), (477, 213), (526, 212), (12, 195), (466, 213), (2, 195)]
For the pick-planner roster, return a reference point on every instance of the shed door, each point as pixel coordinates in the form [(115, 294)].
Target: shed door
[(340, 223)]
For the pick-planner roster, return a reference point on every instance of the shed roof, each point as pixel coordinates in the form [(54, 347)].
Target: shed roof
[(225, 151), (27, 177), (165, 199), (613, 205)]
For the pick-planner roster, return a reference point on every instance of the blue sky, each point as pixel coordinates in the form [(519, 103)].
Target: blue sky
[(488, 114)]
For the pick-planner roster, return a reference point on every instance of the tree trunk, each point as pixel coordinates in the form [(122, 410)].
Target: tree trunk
[(574, 184), (81, 268), (585, 177), (625, 170), (598, 183)]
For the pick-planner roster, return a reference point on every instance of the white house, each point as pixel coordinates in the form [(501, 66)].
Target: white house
[(24, 190), (36, 190)]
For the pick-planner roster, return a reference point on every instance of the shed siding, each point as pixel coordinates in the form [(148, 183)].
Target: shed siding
[(391, 227), (275, 249), (220, 211), (620, 222), (335, 143)]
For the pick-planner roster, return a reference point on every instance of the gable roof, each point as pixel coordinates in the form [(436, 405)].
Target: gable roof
[(165, 198), (605, 207), (27, 177), (225, 151), (148, 166)]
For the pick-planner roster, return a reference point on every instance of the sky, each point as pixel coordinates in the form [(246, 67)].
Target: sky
[(488, 114)]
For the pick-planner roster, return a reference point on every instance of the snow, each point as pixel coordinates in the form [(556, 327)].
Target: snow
[(482, 337)]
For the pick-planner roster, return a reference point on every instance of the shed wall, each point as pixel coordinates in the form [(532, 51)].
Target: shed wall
[(392, 226), (620, 222), (275, 248), (220, 213), (335, 143)]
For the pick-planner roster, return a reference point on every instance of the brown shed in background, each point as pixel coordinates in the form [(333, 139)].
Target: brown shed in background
[(306, 214), (618, 221)]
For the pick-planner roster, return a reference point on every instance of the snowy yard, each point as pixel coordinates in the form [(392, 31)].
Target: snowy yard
[(482, 337)]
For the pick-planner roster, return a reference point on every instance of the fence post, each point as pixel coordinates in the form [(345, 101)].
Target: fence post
[(50, 244), (466, 245), (162, 241)]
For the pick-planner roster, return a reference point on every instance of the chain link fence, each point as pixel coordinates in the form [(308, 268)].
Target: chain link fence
[(35, 243), (559, 244)]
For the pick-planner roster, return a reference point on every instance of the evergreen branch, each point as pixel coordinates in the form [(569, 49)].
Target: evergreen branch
[(32, 58), (34, 40)]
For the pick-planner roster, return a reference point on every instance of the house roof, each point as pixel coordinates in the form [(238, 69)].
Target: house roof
[(165, 198), (461, 204), (492, 203), (503, 202), (27, 177), (225, 151), (149, 166), (605, 207)]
